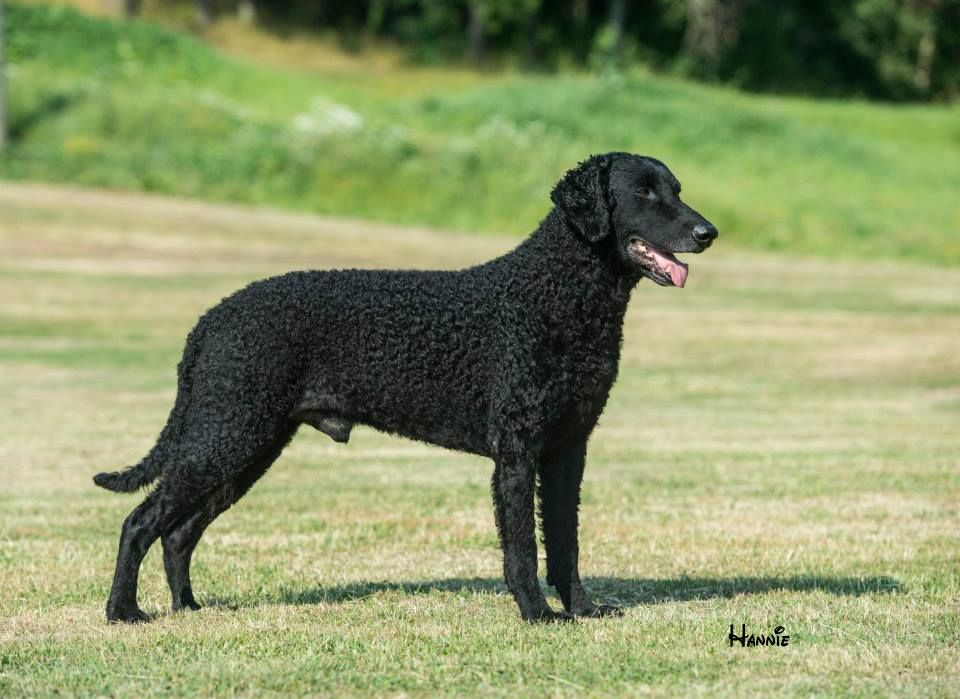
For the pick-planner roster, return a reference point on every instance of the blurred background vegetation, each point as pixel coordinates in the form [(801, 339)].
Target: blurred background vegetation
[(818, 127), (884, 49)]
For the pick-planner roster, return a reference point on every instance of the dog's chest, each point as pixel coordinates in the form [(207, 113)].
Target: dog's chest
[(583, 326), (587, 363)]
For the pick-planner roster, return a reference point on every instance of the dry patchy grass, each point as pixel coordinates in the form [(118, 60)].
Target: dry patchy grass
[(781, 448)]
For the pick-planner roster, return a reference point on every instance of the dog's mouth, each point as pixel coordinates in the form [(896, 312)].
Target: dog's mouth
[(659, 265)]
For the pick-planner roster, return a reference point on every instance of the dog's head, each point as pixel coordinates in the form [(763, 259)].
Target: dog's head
[(633, 203)]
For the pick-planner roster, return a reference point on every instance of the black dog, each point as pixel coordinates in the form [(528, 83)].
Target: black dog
[(512, 359)]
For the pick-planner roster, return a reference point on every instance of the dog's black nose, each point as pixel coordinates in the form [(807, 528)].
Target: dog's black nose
[(704, 233)]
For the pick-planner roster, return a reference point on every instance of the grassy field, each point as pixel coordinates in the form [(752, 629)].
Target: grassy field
[(133, 106), (781, 449)]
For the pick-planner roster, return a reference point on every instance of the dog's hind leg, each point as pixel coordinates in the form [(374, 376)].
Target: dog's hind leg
[(138, 533), (212, 460), (141, 528), (180, 542)]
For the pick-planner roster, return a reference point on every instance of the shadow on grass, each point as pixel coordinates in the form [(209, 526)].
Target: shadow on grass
[(627, 592)]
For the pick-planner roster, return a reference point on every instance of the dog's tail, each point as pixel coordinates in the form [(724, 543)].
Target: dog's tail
[(128, 480), (150, 468)]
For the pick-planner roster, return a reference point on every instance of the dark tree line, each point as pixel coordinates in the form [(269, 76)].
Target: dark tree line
[(888, 49), (3, 86)]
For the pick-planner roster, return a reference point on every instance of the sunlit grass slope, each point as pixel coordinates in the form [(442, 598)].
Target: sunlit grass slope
[(135, 106)]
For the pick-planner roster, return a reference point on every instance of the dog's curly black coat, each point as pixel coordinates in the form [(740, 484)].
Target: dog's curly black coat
[(512, 359)]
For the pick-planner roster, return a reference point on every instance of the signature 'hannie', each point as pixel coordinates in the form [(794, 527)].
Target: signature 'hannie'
[(775, 639)]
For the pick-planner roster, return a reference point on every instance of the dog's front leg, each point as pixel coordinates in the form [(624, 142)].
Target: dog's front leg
[(519, 392), (513, 495), (561, 472)]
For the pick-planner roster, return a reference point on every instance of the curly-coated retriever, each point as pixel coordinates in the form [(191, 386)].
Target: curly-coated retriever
[(512, 359)]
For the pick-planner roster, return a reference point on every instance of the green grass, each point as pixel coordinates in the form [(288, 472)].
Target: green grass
[(780, 449), (133, 106)]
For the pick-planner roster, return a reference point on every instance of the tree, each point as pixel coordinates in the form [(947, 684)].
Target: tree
[(618, 14), (3, 86), (247, 11), (712, 27), (927, 44), (477, 31), (204, 10), (899, 41)]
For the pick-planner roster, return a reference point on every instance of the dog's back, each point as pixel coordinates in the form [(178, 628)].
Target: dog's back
[(406, 352)]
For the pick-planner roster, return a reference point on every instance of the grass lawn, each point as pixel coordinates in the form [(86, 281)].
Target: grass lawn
[(780, 450)]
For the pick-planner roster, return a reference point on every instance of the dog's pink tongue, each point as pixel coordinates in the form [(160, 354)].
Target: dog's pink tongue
[(672, 266)]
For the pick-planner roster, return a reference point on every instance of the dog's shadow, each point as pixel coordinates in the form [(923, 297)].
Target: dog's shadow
[(625, 592)]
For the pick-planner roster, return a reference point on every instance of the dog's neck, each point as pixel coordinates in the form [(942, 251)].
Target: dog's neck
[(568, 274)]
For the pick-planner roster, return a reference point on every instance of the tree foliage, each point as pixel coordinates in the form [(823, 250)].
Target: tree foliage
[(885, 49)]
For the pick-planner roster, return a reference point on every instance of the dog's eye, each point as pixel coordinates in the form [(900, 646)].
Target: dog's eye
[(645, 193)]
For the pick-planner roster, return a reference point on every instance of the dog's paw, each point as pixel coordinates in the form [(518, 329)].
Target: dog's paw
[(561, 618), (127, 615), (187, 605), (599, 611), (549, 616), (186, 601)]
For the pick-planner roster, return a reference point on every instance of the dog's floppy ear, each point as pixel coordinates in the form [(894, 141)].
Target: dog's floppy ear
[(583, 196)]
